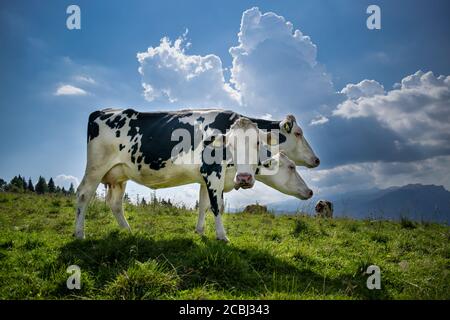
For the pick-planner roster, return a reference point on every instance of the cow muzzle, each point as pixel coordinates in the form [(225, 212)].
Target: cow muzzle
[(313, 163), (244, 181), (309, 194)]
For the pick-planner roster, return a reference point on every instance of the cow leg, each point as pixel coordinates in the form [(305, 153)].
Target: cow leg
[(85, 191), (214, 176), (114, 199), (203, 206), (220, 230), (216, 200)]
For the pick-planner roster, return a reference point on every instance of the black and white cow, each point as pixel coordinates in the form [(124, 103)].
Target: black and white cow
[(290, 140), (278, 172), (160, 150), (129, 145), (324, 209)]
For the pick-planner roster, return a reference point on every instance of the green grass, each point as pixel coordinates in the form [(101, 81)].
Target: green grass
[(288, 257)]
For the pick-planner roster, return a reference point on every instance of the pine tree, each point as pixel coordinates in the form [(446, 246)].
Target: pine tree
[(126, 198), (3, 185), (71, 189), (63, 191), (51, 186), (30, 186), (153, 198), (196, 205), (16, 184), (41, 186), (24, 184), (143, 202)]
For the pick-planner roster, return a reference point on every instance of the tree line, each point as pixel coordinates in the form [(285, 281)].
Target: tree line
[(153, 200), (19, 184)]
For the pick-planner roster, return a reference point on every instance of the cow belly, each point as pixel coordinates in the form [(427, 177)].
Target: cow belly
[(170, 176)]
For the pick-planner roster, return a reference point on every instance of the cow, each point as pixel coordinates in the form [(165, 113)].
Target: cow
[(290, 140), (279, 172), (146, 148), (126, 144), (324, 209), (214, 173)]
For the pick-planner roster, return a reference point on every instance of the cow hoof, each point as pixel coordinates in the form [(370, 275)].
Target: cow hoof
[(79, 236), (224, 239), (200, 231)]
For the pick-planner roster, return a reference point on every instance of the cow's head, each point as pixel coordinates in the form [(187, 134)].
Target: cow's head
[(319, 206), (279, 172), (242, 142), (295, 146)]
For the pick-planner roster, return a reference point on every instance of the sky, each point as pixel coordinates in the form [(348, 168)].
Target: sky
[(374, 104)]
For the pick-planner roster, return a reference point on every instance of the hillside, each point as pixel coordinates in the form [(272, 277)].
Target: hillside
[(286, 257), (414, 201)]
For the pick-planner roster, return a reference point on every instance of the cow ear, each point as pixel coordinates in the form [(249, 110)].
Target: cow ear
[(287, 124)]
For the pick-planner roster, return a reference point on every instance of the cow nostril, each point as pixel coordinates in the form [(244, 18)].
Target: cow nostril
[(244, 177), (310, 193), (317, 161)]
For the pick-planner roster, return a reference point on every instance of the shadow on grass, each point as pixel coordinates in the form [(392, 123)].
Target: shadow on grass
[(224, 266)]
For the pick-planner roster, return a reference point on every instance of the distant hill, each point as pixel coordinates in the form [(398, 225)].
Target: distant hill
[(414, 201)]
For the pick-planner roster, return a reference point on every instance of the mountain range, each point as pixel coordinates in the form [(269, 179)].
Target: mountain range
[(413, 201)]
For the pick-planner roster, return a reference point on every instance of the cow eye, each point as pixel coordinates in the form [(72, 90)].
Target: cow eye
[(298, 134)]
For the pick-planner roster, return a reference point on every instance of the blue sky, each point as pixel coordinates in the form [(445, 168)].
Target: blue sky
[(43, 133)]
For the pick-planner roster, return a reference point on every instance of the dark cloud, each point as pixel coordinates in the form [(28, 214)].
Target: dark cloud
[(342, 141)]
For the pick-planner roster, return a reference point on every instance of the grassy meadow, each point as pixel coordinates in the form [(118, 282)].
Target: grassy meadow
[(285, 257)]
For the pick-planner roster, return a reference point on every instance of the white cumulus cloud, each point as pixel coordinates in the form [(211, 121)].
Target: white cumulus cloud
[(274, 71), (418, 109), (64, 180), (366, 88), (170, 75), (275, 67), (317, 121)]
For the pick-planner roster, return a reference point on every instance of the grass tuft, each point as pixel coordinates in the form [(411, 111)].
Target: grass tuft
[(148, 280), (300, 227), (407, 224)]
